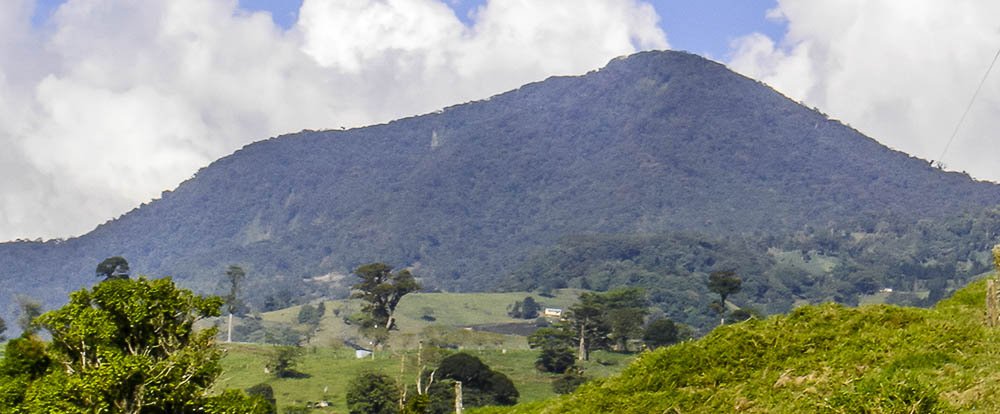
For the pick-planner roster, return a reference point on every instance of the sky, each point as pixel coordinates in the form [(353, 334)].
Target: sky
[(104, 104)]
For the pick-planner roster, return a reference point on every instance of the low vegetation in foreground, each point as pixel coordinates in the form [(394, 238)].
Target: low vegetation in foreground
[(824, 359)]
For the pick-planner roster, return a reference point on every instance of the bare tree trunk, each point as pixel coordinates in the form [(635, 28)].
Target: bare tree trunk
[(229, 331), (581, 353), (458, 397)]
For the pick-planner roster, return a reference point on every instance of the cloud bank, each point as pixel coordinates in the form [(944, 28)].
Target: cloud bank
[(900, 71), (113, 101)]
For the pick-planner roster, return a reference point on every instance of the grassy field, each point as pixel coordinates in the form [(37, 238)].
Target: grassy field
[(328, 370), (328, 365), (422, 314)]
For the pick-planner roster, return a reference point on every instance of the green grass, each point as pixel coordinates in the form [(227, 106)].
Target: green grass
[(331, 369), (329, 365), (818, 359), (816, 264), (451, 311)]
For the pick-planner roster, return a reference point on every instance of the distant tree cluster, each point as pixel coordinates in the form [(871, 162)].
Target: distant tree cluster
[(311, 315), (526, 309), (376, 393), (610, 320)]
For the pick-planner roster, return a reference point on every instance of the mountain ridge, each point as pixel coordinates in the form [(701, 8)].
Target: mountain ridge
[(653, 142)]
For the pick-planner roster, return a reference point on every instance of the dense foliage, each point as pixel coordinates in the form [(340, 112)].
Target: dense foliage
[(655, 142), (481, 385), (920, 263), (125, 346), (380, 291), (372, 393), (824, 359)]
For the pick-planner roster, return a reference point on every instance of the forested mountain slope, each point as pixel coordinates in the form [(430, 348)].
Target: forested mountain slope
[(654, 142)]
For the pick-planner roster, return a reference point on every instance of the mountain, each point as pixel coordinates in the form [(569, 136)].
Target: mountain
[(654, 142)]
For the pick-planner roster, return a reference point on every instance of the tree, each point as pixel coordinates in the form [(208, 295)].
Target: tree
[(611, 317), (113, 268), (283, 361), (265, 391), (586, 319), (556, 345), (381, 290), (25, 360), (235, 276), (626, 308), (29, 309), (480, 385), (372, 393), (311, 315), (660, 332), (3, 328), (529, 308), (128, 346), (723, 283)]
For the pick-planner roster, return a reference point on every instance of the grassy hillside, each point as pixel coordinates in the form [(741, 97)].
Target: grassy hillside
[(826, 358), (331, 368), (441, 316), (329, 365)]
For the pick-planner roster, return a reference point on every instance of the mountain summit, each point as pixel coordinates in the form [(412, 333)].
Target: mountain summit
[(653, 142)]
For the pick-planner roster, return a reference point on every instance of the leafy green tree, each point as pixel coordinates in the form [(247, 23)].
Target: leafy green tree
[(372, 393), (480, 385), (113, 268), (265, 391), (381, 290), (283, 361), (235, 276), (724, 283), (127, 346), (529, 308), (311, 315), (556, 345), (25, 361), (661, 332), (586, 319), (601, 319), (626, 308)]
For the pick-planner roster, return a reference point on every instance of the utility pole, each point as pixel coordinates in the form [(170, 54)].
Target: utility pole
[(458, 397)]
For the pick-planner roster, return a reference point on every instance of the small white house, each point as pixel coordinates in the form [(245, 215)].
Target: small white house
[(552, 312)]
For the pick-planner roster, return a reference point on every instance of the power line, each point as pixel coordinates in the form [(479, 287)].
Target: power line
[(968, 107)]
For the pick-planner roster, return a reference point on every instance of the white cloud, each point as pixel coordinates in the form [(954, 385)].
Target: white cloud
[(900, 71), (114, 101)]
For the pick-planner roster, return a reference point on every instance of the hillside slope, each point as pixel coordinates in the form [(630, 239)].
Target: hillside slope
[(654, 142), (818, 359)]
